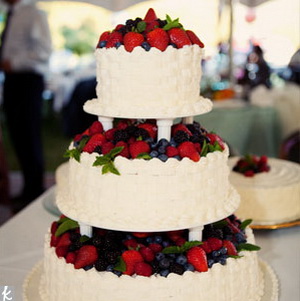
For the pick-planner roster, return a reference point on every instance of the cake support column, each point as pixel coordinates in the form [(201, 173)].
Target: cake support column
[(85, 230), (164, 128), (107, 122), (196, 233)]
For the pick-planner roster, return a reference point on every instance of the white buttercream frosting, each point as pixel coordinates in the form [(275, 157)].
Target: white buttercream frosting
[(149, 195), (269, 197), (149, 84), (63, 282)]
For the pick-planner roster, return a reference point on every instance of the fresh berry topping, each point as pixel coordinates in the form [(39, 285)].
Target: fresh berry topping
[(131, 258), (143, 269), (180, 127), (95, 128), (231, 249), (179, 37), (138, 147), (132, 40), (197, 257), (150, 128), (214, 243), (187, 149), (147, 253), (194, 39), (95, 140), (114, 38), (158, 38), (125, 151), (150, 15), (107, 147), (87, 255), (216, 138), (171, 151), (70, 257)]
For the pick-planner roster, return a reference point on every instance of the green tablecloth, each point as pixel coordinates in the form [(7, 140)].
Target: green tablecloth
[(247, 129)]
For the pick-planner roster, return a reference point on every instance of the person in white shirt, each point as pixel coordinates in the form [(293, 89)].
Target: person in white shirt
[(24, 58)]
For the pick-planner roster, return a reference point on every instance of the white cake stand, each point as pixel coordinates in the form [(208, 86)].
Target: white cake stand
[(32, 283)]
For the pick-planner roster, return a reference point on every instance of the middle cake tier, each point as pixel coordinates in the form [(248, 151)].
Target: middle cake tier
[(147, 195)]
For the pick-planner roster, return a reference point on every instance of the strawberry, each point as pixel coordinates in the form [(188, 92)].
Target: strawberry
[(54, 227), (151, 26), (198, 147), (109, 134), (107, 147), (215, 138), (197, 257), (132, 40), (155, 247), (150, 15), (174, 235), (206, 247), (119, 26), (231, 250), (61, 251), (70, 257), (87, 255), (150, 128), (214, 243), (95, 140), (147, 253), (158, 38), (172, 151), (125, 151), (180, 127), (138, 147), (123, 124), (187, 149), (141, 234), (104, 36), (143, 269), (114, 38), (233, 227), (131, 243), (180, 241), (194, 39), (54, 240), (95, 128), (179, 37), (249, 173), (131, 258), (64, 240)]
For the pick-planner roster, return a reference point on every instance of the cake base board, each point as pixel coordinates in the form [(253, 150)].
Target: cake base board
[(32, 283)]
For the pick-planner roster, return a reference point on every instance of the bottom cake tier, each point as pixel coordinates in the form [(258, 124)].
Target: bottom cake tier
[(238, 279)]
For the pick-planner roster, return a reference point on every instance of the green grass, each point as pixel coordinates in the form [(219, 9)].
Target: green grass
[(54, 142)]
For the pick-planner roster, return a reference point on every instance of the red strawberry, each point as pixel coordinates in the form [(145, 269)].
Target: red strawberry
[(147, 253), (233, 227), (249, 173), (198, 147), (86, 255), (143, 269), (109, 134), (107, 147), (206, 247), (70, 257), (197, 257), (123, 124), (138, 147), (104, 36), (54, 240), (151, 26), (150, 15), (125, 151), (158, 38), (61, 251), (187, 149), (179, 37), (141, 234), (150, 128), (174, 235), (172, 151), (131, 258), (54, 227), (180, 241), (95, 128), (231, 250), (132, 40), (131, 243), (95, 140), (214, 137), (180, 127), (119, 26), (214, 243), (114, 37), (194, 39), (64, 240), (155, 247)]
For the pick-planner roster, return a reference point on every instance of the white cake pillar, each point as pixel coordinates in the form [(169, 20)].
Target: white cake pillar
[(107, 122), (196, 233), (188, 120), (164, 128), (85, 229)]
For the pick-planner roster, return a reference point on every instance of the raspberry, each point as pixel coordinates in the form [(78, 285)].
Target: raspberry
[(171, 151), (214, 243), (147, 254), (143, 269), (70, 257)]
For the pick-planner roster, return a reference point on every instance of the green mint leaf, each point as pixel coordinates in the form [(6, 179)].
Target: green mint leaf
[(247, 247), (83, 142), (245, 224), (217, 147), (101, 160), (114, 152), (204, 150), (65, 226), (145, 156), (120, 265), (235, 256), (110, 167), (62, 219), (72, 153), (84, 238), (141, 26), (185, 247), (171, 23)]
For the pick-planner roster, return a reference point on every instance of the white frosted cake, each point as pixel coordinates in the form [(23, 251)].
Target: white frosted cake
[(269, 197), (147, 204)]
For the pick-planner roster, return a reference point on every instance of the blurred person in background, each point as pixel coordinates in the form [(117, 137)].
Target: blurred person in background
[(294, 66), (24, 55)]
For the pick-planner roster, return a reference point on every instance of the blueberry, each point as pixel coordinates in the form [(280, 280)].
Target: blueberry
[(118, 273), (215, 254), (102, 44), (223, 251), (161, 149), (158, 239), (177, 157), (110, 268), (159, 256), (128, 236), (165, 244), (146, 46), (165, 263), (118, 44), (173, 45), (189, 267), (88, 267), (240, 238), (154, 154), (210, 262), (173, 143), (149, 240), (164, 273), (163, 142), (181, 259), (153, 145), (163, 157), (222, 259)]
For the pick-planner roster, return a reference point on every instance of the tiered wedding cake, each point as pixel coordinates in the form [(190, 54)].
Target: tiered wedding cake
[(147, 204)]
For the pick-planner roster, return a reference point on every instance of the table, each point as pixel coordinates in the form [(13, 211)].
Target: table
[(22, 240)]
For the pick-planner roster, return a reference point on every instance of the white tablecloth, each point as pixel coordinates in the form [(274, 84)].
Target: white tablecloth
[(22, 239)]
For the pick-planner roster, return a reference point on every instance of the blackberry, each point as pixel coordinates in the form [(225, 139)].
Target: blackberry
[(101, 264), (122, 30), (162, 23), (176, 268), (131, 130), (197, 138), (227, 230), (194, 127), (155, 266), (141, 133), (98, 149), (181, 136), (75, 246), (97, 241), (120, 135), (74, 236), (112, 256)]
